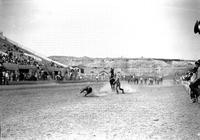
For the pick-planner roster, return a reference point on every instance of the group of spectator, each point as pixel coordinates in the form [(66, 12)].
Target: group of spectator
[(145, 79), (4, 77), (52, 64), (7, 76), (12, 54)]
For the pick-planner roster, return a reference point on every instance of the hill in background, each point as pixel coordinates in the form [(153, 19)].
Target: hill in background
[(127, 65)]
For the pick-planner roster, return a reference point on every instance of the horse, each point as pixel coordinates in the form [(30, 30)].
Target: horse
[(112, 79), (112, 83), (191, 85), (194, 90)]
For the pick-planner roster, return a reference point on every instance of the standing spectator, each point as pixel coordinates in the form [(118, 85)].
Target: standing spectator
[(3, 77), (36, 75), (6, 78), (97, 78), (14, 77), (11, 76), (53, 74), (17, 75)]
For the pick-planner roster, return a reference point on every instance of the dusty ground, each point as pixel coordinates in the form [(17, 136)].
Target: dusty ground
[(60, 112)]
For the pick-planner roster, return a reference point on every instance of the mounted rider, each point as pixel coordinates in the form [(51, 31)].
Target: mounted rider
[(195, 82), (112, 79), (115, 81), (112, 74)]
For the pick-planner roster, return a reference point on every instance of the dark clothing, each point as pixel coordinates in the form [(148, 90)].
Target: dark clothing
[(195, 84), (112, 79), (111, 73), (195, 69), (112, 83), (117, 82), (194, 89), (118, 86)]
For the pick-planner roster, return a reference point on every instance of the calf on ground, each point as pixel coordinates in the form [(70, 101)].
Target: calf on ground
[(87, 89)]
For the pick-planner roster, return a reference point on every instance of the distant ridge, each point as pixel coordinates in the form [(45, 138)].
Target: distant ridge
[(121, 61), (86, 57)]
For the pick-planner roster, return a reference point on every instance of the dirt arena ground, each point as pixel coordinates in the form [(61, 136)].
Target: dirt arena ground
[(60, 112)]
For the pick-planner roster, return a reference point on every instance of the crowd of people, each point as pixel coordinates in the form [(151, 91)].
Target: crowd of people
[(14, 55), (144, 80), (11, 54), (8, 76), (4, 77)]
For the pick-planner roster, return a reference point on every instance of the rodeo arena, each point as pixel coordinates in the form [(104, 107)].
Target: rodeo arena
[(42, 98)]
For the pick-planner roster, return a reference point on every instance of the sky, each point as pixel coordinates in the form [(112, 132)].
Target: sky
[(104, 28)]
